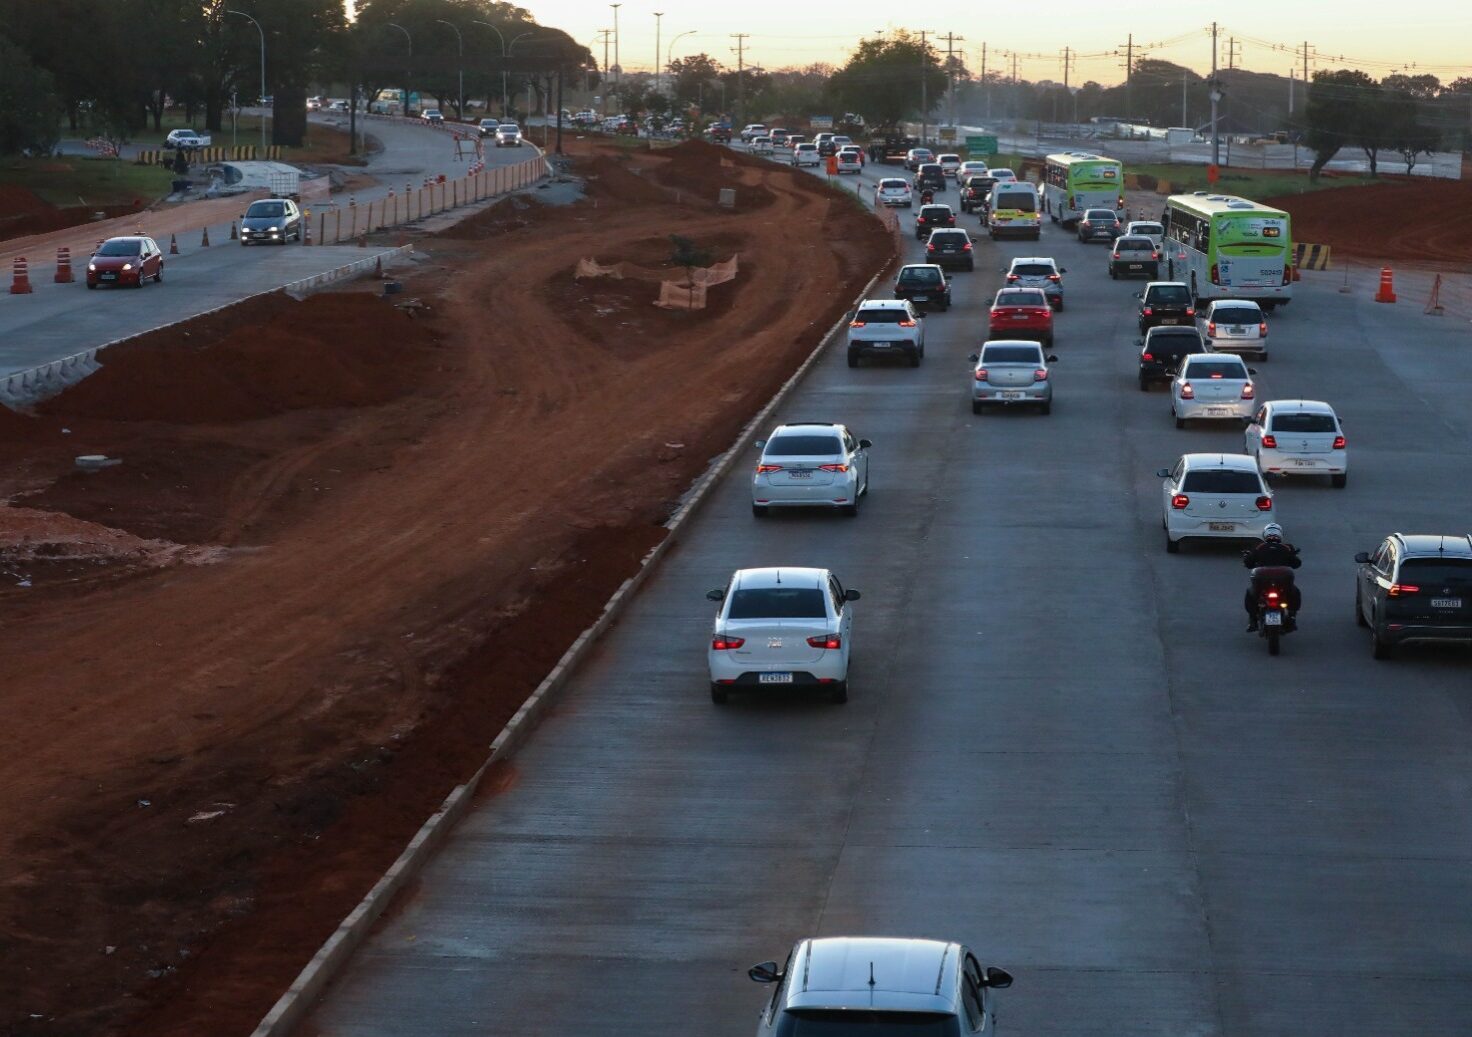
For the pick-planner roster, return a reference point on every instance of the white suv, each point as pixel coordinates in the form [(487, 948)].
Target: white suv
[(810, 465), (805, 154), (894, 192), (886, 327), (786, 627), (880, 987), (1212, 385), (1298, 437), (1213, 496)]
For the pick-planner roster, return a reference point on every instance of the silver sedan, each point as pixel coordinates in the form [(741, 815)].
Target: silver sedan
[(1008, 372)]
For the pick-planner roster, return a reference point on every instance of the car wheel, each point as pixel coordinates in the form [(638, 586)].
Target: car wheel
[(759, 510), (1112, 275), (1046, 407), (853, 358), (1339, 481), (838, 693), (914, 359), (971, 266), (158, 278), (1171, 546), (90, 285), (1059, 307), (851, 510), (1359, 611), (976, 407), (717, 694), (1379, 647), (1262, 355), (1180, 421)]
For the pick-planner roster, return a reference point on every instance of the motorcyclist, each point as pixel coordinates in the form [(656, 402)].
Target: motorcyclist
[(927, 196), (1272, 551)]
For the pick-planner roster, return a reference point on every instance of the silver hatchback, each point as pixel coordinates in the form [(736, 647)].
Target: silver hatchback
[(1011, 372), (1038, 272)]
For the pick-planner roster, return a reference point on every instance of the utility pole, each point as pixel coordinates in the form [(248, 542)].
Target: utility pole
[(606, 34), (460, 41), (1067, 60), (1216, 95), (1184, 121), (740, 38), (1129, 79), (924, 85), (1291, 72), (951, 40), (1016, 108), (618, 71), (658, 24), (985, 83)]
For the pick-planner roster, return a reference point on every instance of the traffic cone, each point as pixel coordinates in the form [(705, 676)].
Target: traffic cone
[(21, 281), (378, 268), (205, 241), (173, 244), (233, 235), (1296, 275), (1387, 286), (63, 266)]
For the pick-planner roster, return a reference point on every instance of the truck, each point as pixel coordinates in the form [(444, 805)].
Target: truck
[(186, 139), (1179, 135)]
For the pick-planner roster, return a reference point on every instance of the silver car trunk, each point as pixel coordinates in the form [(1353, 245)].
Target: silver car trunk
[(1009, 376)]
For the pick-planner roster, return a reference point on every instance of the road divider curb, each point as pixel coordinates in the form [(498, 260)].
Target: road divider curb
[(292, 1007)]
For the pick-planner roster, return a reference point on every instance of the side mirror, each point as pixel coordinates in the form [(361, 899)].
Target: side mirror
[(760, 444), (851, 595), (974, 357), (1363, 557), (864, 444), (1252, 370), (1163, 473), (1139, 342), (766, 972), (998, 979), (1063, 269), (715, 595), (1052, 359)]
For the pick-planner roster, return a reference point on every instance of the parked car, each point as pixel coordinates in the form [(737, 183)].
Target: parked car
[(1038, 272), (273, 221), (124, 261), (813, 465), (1415, 589), (894, 192), (1009, 372), (1213, 385), (1235, 326), (1134, 256), (1099, 223), (925, 285), (508, 135), (1298, 437), (781, 628), (932, 217), (1214, 496), (1163, 349), (1021, 313), (1164, 303), (886, 327), (951, 248)]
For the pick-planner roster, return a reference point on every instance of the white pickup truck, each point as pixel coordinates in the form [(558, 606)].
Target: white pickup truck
[(186, 139)]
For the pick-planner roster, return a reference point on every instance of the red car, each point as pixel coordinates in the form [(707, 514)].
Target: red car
[(1021, 313), (125, 261)]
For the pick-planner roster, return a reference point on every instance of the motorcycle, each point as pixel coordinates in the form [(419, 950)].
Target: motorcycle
[(1272, 589)]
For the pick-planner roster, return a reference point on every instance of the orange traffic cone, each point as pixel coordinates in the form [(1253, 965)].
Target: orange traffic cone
[(378, 268), (21, 282), (173, 244), (1296, 275), (1387, 286), (233, 235), (205, 241), (63, 266)]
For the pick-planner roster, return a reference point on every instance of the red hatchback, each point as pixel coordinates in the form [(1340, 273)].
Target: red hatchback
[(125, 261), (1021, 313)]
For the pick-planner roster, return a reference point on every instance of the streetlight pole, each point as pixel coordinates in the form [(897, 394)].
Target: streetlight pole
[(669, 56), (408, 69), (658, 23), (460, 111), (263, 70), (497, 31), (618, 70)]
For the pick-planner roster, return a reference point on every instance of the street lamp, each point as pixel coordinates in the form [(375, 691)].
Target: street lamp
[(669, 56), (263, 70), (459, 111), (658, 23), (408, 69), (505, 53)]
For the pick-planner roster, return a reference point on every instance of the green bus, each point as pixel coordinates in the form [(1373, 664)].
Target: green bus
[(1229, 248), (1077, 180)]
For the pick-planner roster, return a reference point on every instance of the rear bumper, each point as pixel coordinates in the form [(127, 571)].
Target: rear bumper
[(1038, 392), (833, 495), (1214, 410), (1015, 230), (1412, 633), (1281, 463), (1181, 527), (889, 348), (737, 672), (1013, 331)]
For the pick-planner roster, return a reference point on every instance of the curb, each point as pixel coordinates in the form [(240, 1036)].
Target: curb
[(350, 934)]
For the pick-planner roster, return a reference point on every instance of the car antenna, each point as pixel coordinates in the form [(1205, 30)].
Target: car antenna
[(871, 974)]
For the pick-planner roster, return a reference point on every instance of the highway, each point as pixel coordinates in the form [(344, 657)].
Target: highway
[(1060, 748)]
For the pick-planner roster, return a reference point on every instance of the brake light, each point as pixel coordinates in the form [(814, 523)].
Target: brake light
[(1187, 393), (929, 248), (1146, 356), (1398, 590), (1216, 374), (726, 644), (1154, 255), (1264, 504), (1211, 327), (1214, 274), (1271, 442), (1013, 277), (967, 247), (764, 469), (1054, 277), (1338, 442), (856, 323), (1247, 391), (832, 467), (1272, 598), (1190, 311), (827, 641), (1179, 501), (1147, 311), (1119, 205), (981, 374), (1262, 330), (1040, 375), (907, 324)]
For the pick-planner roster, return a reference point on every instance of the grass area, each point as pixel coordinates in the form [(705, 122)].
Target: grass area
[(86, 181), (1248, 183), (323, 143)]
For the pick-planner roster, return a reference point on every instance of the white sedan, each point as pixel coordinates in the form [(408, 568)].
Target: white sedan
[(1298, 437), (781, 628), (1212, 385), (814, 465), (894, 192), (1214, 496)]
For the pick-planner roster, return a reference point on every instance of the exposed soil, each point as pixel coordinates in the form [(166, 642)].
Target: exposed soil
[(257, 653), (1424, 220), (23, 212)]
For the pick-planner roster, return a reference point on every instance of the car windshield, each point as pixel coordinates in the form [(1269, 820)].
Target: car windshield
[(1030, 297), (1168, 293), (1432, 574), (848, 1022), (259, 210), (777, 603), (920, 275), (1011, 355), (1304, 423), (797, 446), (1215, 369), (1022, 201), (1236, 315), (1033, 269), (1139, 244), (119, 248), (1221, 480), (882, 316)]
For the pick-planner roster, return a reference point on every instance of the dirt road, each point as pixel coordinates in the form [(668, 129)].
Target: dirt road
[(342, 546)]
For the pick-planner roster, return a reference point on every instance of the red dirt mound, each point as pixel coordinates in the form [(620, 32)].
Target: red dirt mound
[(23, 212), (296, 358), (1422, 221), (614, 179), (704, 169)]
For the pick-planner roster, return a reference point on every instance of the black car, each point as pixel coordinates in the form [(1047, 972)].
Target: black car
[(1163, 349), (933, 217), (925, 285), (720, 134), (271, 220), (1165, 303), (1099, 223), (1415, 588), (931, 175), (975, 191), (950, 248)]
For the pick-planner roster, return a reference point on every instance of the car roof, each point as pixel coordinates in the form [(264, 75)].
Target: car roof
[(1434, 545), (1236, 462), (1018, 289), (868, 972), (1300, 406), (1164, 284), (1097, 208), (805, 428), (779, 576), (882, 304), (1224, 358), (920, 266), (1033, 259), (1032, 343)]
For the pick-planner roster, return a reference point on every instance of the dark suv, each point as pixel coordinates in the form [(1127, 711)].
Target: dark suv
[(933, 217), (1165, 302), (1163, 349), (975, 191), (925, 285), (1415, 588), (950, 248), (930, 175)]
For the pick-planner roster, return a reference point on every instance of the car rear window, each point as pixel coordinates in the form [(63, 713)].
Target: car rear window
[(1215, 369), (1304, 423), (950, 237), (893, 185), (1137, 244), (1236, 315), (849, 1022), (1099, 214), (931, 212), (1175, 344), (777, 603), (920, 275), (1221, 481), (1021, 297), (931, 167), (1003, 174), (882, 316), (1011, 355), (1432, 574), (1149, 228), (1033, 269), (1022, 201), (804, 445), (950, 158), (1168, 293)]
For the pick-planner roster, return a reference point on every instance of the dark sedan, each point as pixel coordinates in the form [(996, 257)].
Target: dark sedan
[(930, 176), (1165, 302), (120, 261), (272, 220), (1099, 223), (950, 248), (1163, 349), (933, 217)]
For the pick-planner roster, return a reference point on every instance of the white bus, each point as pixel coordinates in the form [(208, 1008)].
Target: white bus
[(1077, 180), (1229, 248)]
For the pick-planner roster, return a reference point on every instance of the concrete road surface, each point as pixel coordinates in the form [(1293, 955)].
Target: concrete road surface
[(1061, 747)]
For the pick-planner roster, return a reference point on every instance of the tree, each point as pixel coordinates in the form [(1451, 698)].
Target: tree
[(889, 78), (692, 76), (1422, 87), (1340, 105), (1401, 127), (28, 103)]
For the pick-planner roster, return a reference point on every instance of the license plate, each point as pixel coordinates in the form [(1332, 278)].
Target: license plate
[(1446, 603), (1137, 266), (774, 678), (108, 277), (1169, 320), (1236, 331), (880, 345), (1012, 395), (1216, 411), (1298, 462), (1273, 619), (922, 298), (799, 474), (1019, 316), (1221, 527)]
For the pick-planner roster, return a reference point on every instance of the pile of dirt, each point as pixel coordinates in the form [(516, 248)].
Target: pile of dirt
[(614, 178), (23, 212), (706, 169), (1425, 220), (292, 356)]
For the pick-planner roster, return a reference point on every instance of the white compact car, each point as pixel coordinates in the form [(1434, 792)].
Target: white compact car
[(812, 465), (950, 164), (894, 192), (761, 145), (806, 155), (785, 627), (1145, 229), (888, 328), (1212, 385), (849, 161), (1214, 496), (1235, 326), (968, 168), (1298, 437)]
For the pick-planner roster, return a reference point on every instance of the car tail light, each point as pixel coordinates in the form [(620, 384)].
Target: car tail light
[(832, 467), (967, 247), (1187, 393), (929, 248), (1216, 375), (1338, 442), (831, 642), (1262, 329), (981, 374), (1214, 274), (726, 644), (1179, 501), (1190, 311), (1264, 504), (1398, 590), (856, 323), (1013, 277), (1271, 442), (1146, 356), (1147, 311), (1040, 375), (1119, 205), (906, 324), (1154, 255), (1248, 391), (1042, 311), (1211, 327), (1054, 277)]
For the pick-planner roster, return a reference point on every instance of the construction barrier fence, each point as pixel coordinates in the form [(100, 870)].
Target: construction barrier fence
[(1310, 257), (242, 153)]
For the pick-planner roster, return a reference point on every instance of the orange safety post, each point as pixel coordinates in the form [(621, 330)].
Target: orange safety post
[(63, 266), (1387, 286), (20, 283), (307, 226), (204, 242), (173, 244)]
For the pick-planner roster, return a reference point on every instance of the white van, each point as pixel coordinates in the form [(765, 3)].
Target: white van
[(1014, 211)]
